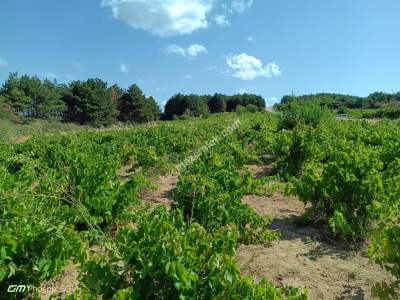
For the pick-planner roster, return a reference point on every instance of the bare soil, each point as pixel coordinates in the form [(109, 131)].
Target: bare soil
[(66, 283), (300, 258), (162, 195), (259, 171)]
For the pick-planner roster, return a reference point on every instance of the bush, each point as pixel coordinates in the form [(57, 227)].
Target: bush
[(240, 109), (192, 105), (303, 113), (294, 148), (162, 257), (390, 113), (385, 245), (385, 250), (346, 190), (211, 195)]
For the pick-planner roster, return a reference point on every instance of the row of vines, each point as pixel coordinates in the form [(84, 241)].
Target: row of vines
[(63, 201), (349, 171)]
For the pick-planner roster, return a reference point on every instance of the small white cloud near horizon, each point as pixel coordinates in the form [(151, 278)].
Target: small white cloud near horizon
[(188, 76), (240, 6), (190, 52), (3, 62), (221, 20), (250, 38), (161, 17), (124, 68), (247, 67)]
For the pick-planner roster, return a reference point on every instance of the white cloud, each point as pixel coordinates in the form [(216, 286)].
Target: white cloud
[(124, 68), (250, 39), (188, 76), (240, 6), (195, 50), (191, 52), (248, 67), (3, 62), (274, 69), (158, 89), (161, 17), (174, 49), (221, 20)]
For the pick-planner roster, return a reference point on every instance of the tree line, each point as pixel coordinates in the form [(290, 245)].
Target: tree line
[(339, 101), (196, 105), (94, 102)]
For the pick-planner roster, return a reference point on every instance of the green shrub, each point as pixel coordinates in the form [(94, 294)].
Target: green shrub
[(211, 194), (346, 190), (303, 113), (160, 256)]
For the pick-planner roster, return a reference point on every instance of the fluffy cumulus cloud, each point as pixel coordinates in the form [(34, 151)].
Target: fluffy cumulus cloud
[(221, 20), (124, 68), (161, 17), (192, 51), (3, 62), (240, 6), (248, 67)]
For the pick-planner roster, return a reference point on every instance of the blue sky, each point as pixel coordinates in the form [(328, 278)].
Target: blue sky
[(267, 47)]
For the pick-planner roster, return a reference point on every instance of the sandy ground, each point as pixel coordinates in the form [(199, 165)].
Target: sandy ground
[(162, 195), (301, 259), (65, 283)]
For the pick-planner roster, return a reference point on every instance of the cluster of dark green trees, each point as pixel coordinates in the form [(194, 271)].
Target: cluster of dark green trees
[(84, 102), (196, 105), (94, 102), (338, 101)]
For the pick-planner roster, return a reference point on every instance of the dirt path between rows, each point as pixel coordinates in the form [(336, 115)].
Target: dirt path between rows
[(163, 194), (298, 259), (301, 259), (63, 284)]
